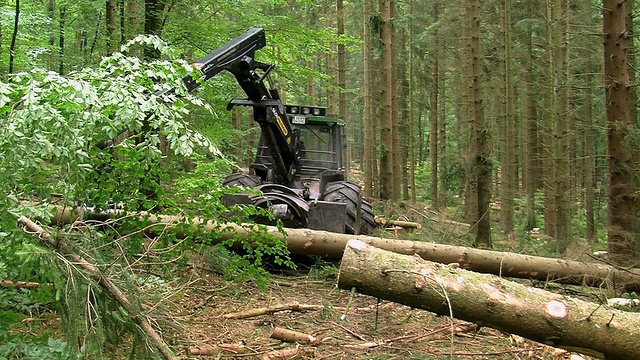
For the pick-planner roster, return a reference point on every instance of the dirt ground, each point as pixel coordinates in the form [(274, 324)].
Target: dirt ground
[(338, 325)]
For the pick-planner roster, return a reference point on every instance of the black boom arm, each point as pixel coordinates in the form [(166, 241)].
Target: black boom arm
[(237, 57)]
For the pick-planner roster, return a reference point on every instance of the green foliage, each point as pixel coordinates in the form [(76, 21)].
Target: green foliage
[(201, 193), (51, 126)]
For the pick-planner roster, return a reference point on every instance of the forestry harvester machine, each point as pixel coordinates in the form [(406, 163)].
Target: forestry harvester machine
[(298, 172)]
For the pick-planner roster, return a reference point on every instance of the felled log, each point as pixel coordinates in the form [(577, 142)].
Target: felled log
[(404, 224), (491, 301), (326, 244)]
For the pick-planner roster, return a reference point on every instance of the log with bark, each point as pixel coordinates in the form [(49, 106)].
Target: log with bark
[(491, 301), (326, 244)]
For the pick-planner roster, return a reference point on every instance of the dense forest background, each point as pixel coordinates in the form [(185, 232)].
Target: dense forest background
[(502, 104), (510, 117)]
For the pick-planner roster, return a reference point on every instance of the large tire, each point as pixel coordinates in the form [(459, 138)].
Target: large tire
[(349, 193), (240, 179)]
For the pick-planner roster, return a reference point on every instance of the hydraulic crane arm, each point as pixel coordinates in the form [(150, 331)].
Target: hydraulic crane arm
[(237, 57)]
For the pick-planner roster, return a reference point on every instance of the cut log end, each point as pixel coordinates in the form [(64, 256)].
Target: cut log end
[(555, 309), (357, 244)]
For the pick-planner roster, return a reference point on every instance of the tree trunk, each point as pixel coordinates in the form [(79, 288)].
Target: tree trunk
[(51, 10), (547, 138), (326, 244), (153, 10), (531, 169), (14, 37), (623, 221), (481, 166), (342, 83), (369, 137), (509, 169), (386, 103), (112, 25), (589, 159), (411, 143), (442, 125), (63, 13), (488, 300), (433, 111), (396, 127), (561, 126), (403, 116)]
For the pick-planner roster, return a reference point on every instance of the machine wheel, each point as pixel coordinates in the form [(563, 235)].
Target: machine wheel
[(348, 193), (240, 179)]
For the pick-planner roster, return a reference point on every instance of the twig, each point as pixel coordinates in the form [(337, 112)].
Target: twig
[(106, 283), (346, 308), (295, 306), (358, 336), (19, 284)]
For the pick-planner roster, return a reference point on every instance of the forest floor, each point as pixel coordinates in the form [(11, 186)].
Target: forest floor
[(343, 325)]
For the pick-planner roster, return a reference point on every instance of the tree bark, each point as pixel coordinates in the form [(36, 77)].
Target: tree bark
[(153, 12), (14, 37), (342, 82), (433, 111), (623, 222), (561, 126), (111, 18), (61, 36), (480, 191), (589, 162), (367, 118), (488, 300), (386, 103)]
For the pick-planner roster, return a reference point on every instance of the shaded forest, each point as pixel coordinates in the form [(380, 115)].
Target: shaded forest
[(513, 120)]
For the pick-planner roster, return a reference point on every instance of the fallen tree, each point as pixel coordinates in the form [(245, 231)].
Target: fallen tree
[(326, 244), (491, 301)]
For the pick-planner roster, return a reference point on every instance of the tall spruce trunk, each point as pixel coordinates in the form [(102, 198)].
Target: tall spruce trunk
[(369, 138), (531, 169), (111, 19), (481, 166), (342, 83), (386, 103), (561, 129), (623, 221), (433, 112), (589, 159)]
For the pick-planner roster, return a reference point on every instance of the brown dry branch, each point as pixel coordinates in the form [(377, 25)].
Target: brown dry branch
[(289, 353), (215, 349), (404, 224), (353, 333), (294, 306), (105, 282), (294, 336), (19, 284)]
